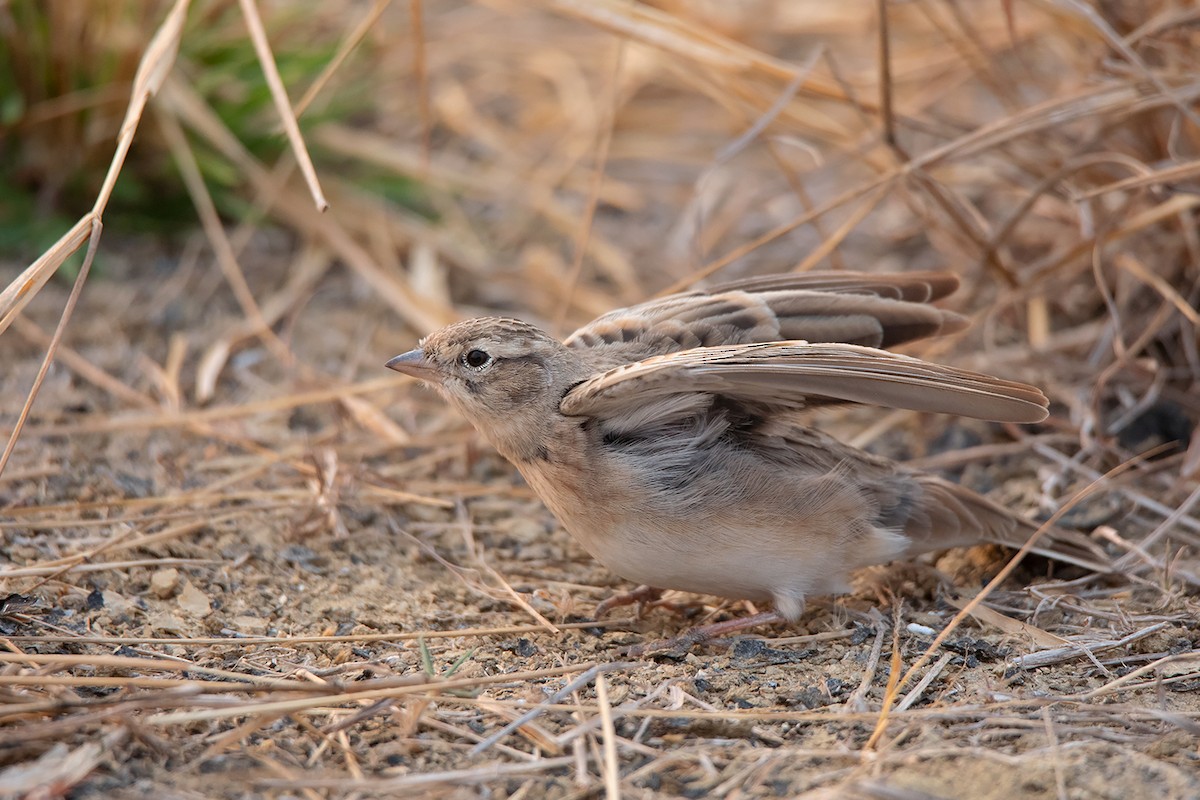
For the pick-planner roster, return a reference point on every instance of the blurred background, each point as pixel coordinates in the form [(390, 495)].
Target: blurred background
[(557, 159), (217, 448)]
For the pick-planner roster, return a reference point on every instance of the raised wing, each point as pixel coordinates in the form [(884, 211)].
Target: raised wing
[(848, 307), (797, 375), (915, 287)]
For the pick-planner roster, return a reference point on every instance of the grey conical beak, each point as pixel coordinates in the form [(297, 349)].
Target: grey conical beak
[(414, 363)]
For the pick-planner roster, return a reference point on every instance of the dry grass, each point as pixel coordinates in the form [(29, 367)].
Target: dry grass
[(240, 560)]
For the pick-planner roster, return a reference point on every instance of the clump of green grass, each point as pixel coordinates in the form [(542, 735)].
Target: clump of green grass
[(66, 69)]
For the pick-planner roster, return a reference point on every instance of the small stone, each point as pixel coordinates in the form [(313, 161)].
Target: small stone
[(525, 648), (256, 626), (116, 603), (164, 583), (193, 601), (168, 623), (525, 530)]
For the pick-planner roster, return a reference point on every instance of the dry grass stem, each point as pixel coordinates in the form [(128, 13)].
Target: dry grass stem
[(237, 557)]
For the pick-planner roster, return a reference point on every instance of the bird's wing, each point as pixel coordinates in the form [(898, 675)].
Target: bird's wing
[(848, 307), (787, 376), (915, 287)]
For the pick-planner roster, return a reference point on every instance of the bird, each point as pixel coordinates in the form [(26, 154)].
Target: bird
[(673, 439)]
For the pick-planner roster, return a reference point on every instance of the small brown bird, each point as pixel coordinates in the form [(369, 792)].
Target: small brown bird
[(667, 437)]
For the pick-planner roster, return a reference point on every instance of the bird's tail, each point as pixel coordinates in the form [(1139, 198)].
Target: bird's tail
[(959, 517)]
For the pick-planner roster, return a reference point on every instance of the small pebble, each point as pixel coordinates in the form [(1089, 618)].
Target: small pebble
[(166, 623), (193, 601), (254, 626), (164, 583)]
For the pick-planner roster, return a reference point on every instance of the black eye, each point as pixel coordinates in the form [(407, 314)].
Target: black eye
[(476, 359)]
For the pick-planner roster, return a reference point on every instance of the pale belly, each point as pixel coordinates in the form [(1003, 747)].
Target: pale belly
[(718, 542), (733, 564), (721, 522)]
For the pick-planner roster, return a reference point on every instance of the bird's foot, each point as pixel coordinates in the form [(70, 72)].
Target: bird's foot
[(643, 597), (707, 633)]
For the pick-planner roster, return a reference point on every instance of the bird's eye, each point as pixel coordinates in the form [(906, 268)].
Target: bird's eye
[(476, 359)]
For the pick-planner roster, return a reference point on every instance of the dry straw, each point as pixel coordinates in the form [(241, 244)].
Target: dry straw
[(204, 589)]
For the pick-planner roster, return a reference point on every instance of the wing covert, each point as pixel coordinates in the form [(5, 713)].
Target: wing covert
[(788, 376), (847, 307)]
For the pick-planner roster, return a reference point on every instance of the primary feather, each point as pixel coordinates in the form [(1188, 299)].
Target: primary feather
[(788, 376)]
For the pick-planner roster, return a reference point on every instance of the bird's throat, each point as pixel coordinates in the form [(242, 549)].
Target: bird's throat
[(521, 444)]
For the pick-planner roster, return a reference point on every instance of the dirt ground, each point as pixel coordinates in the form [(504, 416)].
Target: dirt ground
[(201, 582), (240, 561)]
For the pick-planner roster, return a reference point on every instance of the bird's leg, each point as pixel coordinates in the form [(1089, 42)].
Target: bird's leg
[(641, 596), (706, 633)]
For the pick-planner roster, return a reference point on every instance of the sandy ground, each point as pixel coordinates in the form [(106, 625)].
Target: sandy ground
[(160, 565)]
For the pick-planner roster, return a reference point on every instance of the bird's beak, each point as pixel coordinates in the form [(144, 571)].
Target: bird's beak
[(414, 363)]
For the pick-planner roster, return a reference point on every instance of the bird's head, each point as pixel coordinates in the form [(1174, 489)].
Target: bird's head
[(504, 375)]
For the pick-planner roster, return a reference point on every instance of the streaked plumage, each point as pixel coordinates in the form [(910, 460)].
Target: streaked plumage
[(666, 436)]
